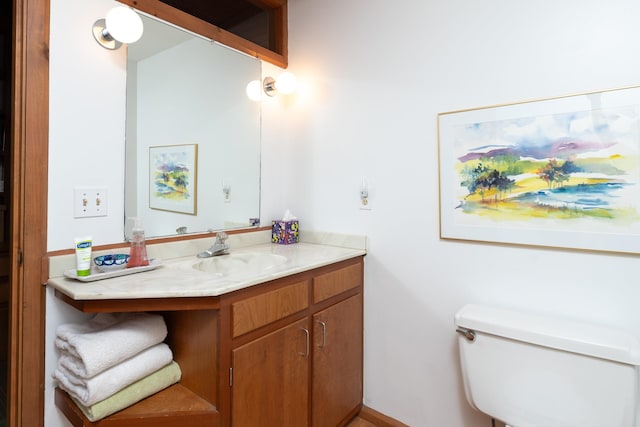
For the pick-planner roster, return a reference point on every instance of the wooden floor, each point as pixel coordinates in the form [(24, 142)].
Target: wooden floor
[(359, 422)]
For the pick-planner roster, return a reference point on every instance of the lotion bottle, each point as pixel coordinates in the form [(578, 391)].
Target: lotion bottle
[(138, 253), (83, 256)]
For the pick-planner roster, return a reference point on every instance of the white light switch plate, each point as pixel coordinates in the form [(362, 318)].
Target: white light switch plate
[(89, 202)]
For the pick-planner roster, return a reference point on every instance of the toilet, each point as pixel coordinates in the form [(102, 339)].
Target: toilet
[(531, 370)]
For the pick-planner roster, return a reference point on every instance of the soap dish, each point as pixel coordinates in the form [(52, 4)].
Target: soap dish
[(111, 262)]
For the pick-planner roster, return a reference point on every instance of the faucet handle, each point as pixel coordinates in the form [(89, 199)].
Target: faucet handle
[(221, 236)]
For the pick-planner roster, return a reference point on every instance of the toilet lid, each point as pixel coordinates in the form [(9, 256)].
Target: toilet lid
[(552, 331)]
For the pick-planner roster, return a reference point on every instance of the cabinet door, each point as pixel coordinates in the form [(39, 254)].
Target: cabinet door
[(337, 362), (270, 379)]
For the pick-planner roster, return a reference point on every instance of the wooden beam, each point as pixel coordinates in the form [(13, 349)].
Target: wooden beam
[(28, 230), (268, 4), (182, 19)]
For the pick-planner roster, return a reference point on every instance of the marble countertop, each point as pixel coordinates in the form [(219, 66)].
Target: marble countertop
[(177, 277)]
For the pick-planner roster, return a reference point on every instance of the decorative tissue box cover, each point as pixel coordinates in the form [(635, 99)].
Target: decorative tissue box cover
[(285, 232)]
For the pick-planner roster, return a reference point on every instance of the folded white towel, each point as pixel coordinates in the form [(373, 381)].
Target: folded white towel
[(108, 382), (109, 338)]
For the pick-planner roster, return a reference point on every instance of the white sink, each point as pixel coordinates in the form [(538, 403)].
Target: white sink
[(240, 263)]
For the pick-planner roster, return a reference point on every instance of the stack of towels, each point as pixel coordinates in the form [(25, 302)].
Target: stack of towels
[(113, 361)]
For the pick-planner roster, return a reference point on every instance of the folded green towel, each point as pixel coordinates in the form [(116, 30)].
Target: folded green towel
[(151, 384)]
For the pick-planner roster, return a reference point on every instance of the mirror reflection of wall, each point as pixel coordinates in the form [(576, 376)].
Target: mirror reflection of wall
[(182, 90)]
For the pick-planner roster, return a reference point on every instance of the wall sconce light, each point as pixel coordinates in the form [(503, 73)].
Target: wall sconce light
[(121, 25), (285, 84)]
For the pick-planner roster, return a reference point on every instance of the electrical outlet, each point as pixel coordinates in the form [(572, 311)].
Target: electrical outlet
[(89, 202), (365, 195), (365, 203), (226, 192)]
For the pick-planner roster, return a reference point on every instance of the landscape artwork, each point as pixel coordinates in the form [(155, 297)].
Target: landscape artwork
[(172, 178), (561, 172)]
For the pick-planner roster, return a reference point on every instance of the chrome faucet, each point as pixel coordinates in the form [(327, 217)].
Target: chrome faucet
[(219, 247)]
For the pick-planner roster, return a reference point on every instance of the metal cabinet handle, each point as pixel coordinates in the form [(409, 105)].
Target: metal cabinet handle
[(306, 351), (324, 333)]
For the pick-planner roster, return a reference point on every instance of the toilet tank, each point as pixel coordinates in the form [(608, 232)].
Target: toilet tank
[(534, 370)]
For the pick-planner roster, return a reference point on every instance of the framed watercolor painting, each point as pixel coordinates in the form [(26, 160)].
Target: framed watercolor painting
[(172, 178), (561, 172)]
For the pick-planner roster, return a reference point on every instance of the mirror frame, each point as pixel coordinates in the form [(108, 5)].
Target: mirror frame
[(182, 19)]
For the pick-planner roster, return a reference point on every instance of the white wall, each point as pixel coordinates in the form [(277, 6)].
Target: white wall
[(380, 72), (86, 148), (86, 133), (374, 74)]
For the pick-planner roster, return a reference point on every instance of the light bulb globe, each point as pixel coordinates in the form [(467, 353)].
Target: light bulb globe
[(286, 83), (124, 24), (254, 90)]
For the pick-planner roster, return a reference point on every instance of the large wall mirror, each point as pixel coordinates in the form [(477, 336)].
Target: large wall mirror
[(193, 136)]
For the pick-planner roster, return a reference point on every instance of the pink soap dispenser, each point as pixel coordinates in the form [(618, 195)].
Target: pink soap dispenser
[(138, 253)]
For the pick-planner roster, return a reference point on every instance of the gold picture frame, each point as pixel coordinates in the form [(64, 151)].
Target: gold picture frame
[(560, 172)]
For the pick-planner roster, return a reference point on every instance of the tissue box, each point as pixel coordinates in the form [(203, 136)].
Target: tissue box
[(285, 232)]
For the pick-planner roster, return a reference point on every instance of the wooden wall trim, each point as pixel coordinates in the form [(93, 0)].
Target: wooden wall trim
[(170, 14), (28, 218), (378, 418)]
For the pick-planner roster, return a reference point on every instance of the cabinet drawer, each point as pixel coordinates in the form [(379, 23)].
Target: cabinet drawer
[(252, 313), (333, 283)]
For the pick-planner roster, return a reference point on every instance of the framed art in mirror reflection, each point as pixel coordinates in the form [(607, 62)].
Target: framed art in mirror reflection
[(173, 178)]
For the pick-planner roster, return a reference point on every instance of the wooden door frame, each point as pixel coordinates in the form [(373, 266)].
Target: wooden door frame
[(28, 218)]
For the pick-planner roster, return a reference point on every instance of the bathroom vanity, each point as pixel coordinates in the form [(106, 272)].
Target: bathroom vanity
[(277, 344)]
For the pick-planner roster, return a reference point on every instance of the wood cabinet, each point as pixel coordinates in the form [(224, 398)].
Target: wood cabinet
[(337, 362), (283, 353), (308, 372), (270, 377)]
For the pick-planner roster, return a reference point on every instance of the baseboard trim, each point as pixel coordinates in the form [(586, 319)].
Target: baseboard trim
[(378, 418)]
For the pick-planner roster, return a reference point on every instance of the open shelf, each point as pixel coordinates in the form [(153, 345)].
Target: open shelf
[(175, 406)]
